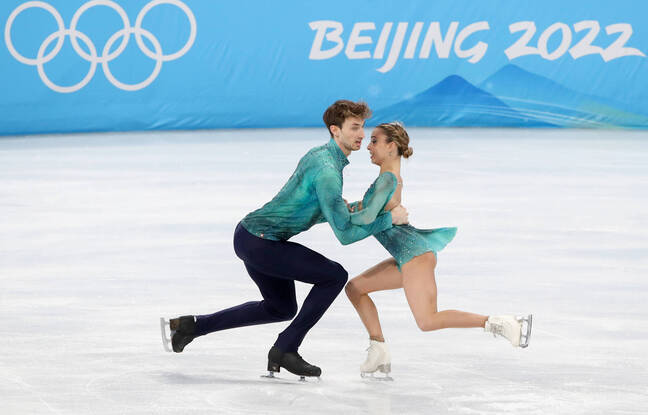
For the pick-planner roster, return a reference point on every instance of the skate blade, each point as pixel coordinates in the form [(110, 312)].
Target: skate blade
[(280, 379), (166, 339), (526, 330), (370, 376)]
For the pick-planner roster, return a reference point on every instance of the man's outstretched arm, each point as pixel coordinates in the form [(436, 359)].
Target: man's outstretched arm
[(328, 188)]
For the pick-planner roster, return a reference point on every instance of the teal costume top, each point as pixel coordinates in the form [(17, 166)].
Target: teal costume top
[(312, 195), (403, 242)]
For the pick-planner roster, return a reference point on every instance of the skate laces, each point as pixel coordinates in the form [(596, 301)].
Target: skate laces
[(302, 359), (497, 329), (373, 347)]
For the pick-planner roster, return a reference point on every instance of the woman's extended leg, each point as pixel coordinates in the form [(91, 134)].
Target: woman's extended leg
[(383, 276), (421, 292)]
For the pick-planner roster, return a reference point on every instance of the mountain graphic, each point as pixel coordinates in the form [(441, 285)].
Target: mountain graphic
[(456, 102), (552, 102)]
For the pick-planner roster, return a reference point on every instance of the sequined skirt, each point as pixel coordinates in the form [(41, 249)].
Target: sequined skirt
[(405, 242)]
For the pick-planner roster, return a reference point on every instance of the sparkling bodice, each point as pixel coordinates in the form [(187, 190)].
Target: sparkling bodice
[(403, 242)]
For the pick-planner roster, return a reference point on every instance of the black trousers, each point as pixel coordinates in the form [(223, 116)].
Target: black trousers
[(275, 266)]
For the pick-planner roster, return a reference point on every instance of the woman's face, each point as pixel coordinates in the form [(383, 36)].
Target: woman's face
[(378, 146)]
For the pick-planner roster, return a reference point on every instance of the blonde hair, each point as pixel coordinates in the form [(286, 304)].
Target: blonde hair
[(395, 132)]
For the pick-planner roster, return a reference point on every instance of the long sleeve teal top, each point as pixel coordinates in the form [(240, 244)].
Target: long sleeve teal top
[(403, 242), (313, 195)]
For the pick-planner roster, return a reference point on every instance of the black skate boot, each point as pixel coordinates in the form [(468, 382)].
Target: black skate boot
[(182, 332), (292, 362)]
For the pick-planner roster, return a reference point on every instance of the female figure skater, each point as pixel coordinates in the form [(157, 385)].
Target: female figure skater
[(414, 259)]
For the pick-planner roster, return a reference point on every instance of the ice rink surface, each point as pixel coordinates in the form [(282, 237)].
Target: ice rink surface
[(102, 234)]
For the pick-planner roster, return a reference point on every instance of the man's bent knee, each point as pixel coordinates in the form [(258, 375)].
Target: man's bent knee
[(340, 275), (283, 311)]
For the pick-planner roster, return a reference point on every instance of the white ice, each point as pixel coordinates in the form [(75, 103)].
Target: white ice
[(101, 234)]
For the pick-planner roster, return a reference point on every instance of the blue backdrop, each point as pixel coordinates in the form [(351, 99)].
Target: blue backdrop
[(74, 65)]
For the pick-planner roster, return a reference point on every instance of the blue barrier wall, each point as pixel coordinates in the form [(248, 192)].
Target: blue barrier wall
[(74, 65)]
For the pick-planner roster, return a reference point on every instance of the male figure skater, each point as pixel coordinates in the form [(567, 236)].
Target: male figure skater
[(312, 195)]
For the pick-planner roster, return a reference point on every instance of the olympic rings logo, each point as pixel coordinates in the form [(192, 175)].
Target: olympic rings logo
[(106, 56)]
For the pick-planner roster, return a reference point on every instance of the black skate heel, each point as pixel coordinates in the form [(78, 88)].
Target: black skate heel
[(274, 361), (273, 367), (182, 332)]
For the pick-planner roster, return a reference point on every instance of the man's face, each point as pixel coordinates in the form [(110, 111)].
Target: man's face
[(350, 136)]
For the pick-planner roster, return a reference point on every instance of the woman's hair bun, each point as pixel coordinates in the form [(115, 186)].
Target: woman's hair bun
[(395, 132)]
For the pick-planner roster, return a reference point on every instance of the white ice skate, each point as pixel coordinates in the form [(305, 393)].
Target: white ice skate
[(516, 329), (378, 360)]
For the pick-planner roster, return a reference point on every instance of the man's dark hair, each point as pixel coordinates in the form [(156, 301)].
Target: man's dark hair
[(343, 109)]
